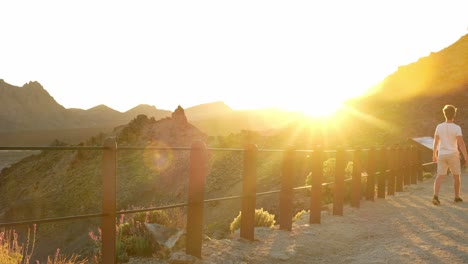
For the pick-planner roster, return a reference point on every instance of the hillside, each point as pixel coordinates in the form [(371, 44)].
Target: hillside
[(438, 74), (62, 183), (408, 102), (262, 120)]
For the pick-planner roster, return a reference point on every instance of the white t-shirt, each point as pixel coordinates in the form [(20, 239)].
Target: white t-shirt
[(448, 133)]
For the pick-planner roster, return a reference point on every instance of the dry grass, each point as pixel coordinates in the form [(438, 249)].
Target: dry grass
[(14, 252)]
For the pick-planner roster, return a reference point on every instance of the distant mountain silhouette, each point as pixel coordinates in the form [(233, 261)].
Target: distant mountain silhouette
[(148, 110), (31, 107), (30, 114), (208, 110)]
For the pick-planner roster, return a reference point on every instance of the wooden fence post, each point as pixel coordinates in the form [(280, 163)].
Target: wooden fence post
[(338, 192), (356, 180), (371, 172), (413, 165), (382, 179), (407, 166), (109, 164), (419, 165), (316, 189), (399, 169), (286, 194), (196, 194), (391, 157), (249, 188)]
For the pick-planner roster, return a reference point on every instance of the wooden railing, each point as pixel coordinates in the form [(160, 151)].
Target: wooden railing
[(387, 168)]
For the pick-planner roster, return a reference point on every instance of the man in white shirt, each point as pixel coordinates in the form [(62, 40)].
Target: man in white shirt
[(447, 140)]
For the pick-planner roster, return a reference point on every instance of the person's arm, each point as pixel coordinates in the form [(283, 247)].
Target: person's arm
[(435, 148), (462, 146)]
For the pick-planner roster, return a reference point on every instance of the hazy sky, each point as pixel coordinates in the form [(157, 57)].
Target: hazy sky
[(248, 54)]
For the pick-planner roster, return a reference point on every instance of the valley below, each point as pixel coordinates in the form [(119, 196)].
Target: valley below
[(8, 157)]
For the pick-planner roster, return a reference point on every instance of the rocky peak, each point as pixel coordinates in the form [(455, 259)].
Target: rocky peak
[(179, 116), (33, 85)]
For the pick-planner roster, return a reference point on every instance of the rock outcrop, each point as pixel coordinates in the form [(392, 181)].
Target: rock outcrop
[(179, 116)]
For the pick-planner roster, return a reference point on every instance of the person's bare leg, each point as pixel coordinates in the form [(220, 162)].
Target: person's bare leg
[(456, 185), (437, 183)]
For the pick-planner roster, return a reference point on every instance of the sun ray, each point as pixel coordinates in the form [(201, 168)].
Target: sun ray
[(376, 122)]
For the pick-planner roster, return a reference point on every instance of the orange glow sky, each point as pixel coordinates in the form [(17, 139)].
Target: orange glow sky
[(249, 54)]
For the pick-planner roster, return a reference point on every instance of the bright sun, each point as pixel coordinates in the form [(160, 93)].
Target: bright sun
[(322, 106), (324, 103), (322, 109)]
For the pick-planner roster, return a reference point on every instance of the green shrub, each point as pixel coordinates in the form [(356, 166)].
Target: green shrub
[(10, 250), (299, 215), (62, 259), (427, 175), (262, 218), (132, 237)]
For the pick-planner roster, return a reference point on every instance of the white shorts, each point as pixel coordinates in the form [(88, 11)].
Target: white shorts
[(449, 161)]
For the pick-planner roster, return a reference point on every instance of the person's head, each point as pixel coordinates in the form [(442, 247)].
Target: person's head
[(449, 112)]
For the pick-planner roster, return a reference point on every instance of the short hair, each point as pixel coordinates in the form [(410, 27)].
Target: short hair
[(449, 111)]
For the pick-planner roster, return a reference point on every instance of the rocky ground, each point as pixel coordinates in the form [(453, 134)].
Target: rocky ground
[(405, 228)]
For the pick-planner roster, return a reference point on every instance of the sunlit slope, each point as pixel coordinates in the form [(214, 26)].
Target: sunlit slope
[(408, 102), (439, 73)]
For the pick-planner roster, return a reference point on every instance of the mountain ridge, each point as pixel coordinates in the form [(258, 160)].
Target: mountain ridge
[(30, 109)]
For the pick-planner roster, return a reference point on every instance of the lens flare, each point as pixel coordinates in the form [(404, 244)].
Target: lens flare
[(158, 156)]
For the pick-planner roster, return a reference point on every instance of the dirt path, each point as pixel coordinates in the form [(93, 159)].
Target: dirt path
[(405, 228)]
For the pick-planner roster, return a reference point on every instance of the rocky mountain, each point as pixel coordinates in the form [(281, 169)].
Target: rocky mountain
[(148, 110), (30, 115), (61, 183), (208, 110), (32, 108)]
